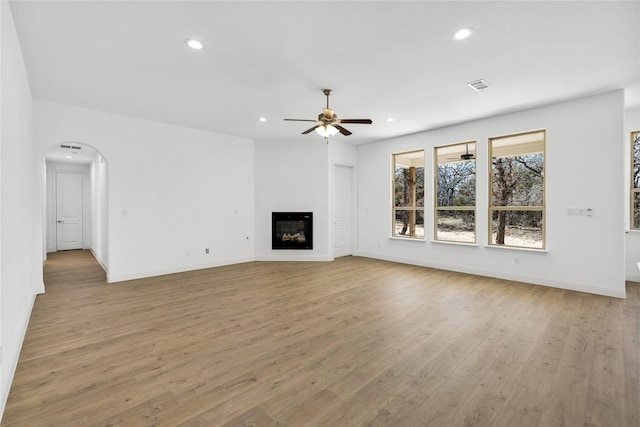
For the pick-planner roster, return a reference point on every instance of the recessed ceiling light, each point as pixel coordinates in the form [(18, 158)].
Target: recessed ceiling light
[(262, 119), (462, 34), (194, 44), (391, 119)]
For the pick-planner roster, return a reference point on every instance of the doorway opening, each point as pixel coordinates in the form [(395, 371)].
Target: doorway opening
[(344, 211), (75, 200)]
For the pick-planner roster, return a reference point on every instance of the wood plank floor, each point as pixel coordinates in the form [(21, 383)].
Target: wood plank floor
[(355, 342)]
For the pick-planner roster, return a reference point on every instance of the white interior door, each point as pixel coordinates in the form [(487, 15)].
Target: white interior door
[(69, 218), (343, 209)]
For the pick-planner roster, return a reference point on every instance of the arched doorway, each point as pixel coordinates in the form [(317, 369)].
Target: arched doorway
[(76, 202)]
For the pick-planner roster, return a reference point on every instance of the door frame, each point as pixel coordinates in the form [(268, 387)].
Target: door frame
[(52, 195), (76, 176)]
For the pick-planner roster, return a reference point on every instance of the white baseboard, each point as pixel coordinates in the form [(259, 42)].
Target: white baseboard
[(11, 360), (113, 278), (581, 287), (294, 257), (102, 264), (632, 277)]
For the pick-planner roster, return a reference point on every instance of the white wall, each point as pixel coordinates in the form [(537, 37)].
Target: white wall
[(52, 168), (292, 177), (21, 176), (298, 177), (632, 239), (172, 191), (342, 153), (99, 211), (584, 168)]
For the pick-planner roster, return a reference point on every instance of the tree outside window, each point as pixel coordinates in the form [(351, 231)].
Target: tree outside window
[(517, 208), (408, 195), (635, 180), (455, 198)]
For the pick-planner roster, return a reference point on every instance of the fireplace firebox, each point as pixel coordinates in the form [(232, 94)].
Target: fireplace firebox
[(292, 230)]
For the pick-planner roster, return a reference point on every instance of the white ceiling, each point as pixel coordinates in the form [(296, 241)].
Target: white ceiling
[(272, 59)]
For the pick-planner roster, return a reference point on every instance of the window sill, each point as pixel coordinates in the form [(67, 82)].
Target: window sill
[(515, 248), (407, 239)]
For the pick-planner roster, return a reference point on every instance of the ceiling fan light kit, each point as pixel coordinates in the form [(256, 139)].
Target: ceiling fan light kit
[(326, 131), (328, 124)]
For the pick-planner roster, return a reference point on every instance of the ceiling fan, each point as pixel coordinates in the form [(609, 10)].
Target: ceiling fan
[(328, 123), (467, 155)]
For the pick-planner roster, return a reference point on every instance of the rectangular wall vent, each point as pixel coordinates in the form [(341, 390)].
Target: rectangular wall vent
[(478, 85)]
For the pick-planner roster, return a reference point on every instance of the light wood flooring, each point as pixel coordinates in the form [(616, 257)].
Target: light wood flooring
[(354, 342)]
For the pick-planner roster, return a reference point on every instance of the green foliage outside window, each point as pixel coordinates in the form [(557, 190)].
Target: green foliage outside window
[(635, 180), (408, 194), (455, 199), (517, 190)]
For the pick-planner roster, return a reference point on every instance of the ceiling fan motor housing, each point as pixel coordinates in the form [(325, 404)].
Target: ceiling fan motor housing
[(327, 115)]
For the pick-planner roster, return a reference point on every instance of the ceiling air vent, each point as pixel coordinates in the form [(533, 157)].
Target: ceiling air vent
[(478, 85), (71, 147)]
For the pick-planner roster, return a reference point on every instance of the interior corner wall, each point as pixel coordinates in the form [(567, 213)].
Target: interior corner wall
[(172, 192), (292, 176), (632, 237), (20, 203), (584, 168), (99, 216)]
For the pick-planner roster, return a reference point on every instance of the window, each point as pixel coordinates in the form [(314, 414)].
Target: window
[(635, 180), (455, 196), (517, 208), (408, 195)]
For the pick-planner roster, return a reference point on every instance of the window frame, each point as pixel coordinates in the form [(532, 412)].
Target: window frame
[(414, 209), (633, 137), (437, 208), (514, 208)]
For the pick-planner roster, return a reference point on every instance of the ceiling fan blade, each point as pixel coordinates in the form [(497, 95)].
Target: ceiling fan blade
[(356, 121), (300, 120), (342, 130), (310, 130)]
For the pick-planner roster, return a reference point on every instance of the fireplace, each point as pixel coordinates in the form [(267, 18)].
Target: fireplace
[(292, 230)]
